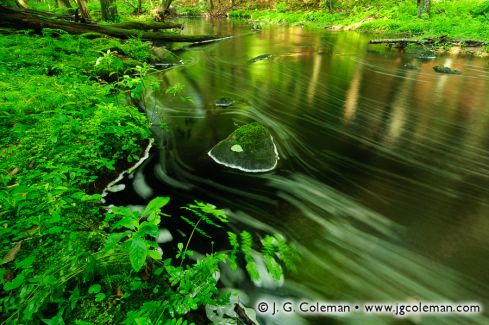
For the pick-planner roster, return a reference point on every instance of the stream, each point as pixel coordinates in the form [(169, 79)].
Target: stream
[(383, 177)]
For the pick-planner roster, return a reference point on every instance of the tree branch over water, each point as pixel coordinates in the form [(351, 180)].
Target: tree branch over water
[(37, 20)]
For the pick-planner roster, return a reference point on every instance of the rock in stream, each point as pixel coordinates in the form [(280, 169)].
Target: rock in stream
[(249, 148)]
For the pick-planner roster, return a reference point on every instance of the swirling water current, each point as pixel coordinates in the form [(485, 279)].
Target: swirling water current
[(383, 177)]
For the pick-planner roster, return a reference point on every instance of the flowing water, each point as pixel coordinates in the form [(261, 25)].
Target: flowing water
[(383, 177)]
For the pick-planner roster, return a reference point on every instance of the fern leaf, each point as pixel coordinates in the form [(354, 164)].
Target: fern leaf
[(194, 225), (233, 240)]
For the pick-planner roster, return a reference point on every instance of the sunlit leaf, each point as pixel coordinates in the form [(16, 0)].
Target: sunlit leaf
[(137, 253), (237, 148)]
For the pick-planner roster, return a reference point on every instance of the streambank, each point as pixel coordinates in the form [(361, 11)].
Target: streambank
[(64, 132), (452, 20), (66, 128)]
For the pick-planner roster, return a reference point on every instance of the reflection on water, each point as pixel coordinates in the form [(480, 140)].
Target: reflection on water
[(383, 179)]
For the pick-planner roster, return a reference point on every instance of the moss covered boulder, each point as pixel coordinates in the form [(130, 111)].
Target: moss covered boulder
[(249, 148), (446, 70)]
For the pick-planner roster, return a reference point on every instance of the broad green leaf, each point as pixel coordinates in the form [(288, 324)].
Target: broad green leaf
[(114, 239), (25, 263), (99, 297), (237, 148), (94, 288), (137, 253), (15, 283), (156, 204), (127, 222), (150, 229), (154, 255)]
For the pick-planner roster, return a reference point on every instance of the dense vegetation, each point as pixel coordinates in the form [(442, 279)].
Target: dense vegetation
[(454, 19), (68, 126)]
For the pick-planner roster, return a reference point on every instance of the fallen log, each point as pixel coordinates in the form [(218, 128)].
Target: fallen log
[(146, 26), (429, 41), (36, 21), (401, 41)]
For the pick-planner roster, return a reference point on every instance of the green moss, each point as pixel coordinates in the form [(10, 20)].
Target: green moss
[(251, 136)]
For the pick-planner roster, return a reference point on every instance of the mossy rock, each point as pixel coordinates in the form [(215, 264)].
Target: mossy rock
[(260, 58), (224, 102), (426, 55), (165, 57), (249, 148), (447, 70), (410, 66)]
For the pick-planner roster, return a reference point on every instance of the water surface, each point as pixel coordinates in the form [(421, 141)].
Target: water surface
[(383, 180)]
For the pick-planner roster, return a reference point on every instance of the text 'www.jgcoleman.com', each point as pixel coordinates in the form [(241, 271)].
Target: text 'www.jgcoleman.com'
[(396, 309)]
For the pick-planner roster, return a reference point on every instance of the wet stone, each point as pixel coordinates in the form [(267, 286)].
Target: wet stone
[(447, 70), (260, 58), (249, 148), (224, 102)]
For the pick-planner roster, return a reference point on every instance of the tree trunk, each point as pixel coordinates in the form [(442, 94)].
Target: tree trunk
[(165, 4), (330, 5), (21, 3), (139, 9), (424, 7), (63, 3), (109, 10), (37, 20), (82, 6)]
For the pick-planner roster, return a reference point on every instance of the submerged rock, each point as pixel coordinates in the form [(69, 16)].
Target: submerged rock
[(260, 58), (410, 66), (426, 55), (443, 69), (164, 57), (224, 102), (249, 148)]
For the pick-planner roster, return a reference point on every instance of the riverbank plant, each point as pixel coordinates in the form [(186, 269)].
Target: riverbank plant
[(66, 129), (465, 19)]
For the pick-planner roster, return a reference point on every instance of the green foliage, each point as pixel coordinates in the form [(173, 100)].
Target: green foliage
[(108, 65), (139, 231), (138, 49), (62, 257), (455, 19), (281, 7)]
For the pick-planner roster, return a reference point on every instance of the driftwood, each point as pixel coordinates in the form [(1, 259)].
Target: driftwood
[(36, 20), (428, 41)]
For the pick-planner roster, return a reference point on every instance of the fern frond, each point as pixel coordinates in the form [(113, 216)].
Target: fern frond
[(210, 209), (233, 240), (273, 267), (246, 247), (287, 253), (194, 225), (202, 216), (269, 245)]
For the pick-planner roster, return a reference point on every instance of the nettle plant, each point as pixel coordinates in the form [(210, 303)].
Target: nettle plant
[(182, 283)]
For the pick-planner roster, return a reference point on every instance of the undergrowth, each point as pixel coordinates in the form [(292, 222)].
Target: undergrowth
[(66, 127), (465, 19)]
